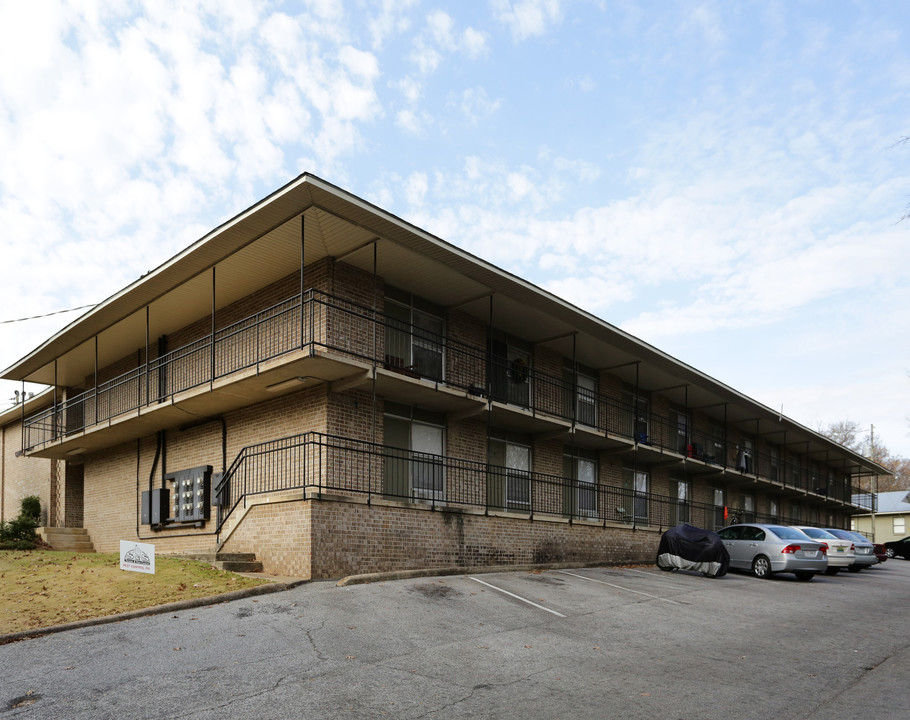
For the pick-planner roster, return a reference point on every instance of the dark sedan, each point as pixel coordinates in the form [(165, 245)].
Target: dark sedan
[(898, 548)]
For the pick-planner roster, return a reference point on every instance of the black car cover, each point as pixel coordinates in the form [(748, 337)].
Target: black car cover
[(687, 547)]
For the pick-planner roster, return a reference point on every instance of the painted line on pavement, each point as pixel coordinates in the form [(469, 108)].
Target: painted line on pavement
[(620, 587), (517, 597)]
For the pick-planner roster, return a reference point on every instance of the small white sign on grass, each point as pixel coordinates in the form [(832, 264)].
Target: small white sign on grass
[(136, 556)]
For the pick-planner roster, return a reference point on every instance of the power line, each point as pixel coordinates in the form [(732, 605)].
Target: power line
[(56, 312)]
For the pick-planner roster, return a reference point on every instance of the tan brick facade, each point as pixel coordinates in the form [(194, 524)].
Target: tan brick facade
[(331, 495), (335, 538)]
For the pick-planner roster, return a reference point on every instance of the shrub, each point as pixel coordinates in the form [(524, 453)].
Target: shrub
[(31, 507), (19, 533)]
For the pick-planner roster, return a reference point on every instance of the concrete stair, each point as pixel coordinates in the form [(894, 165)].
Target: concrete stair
[(69, 539), (232, 562)]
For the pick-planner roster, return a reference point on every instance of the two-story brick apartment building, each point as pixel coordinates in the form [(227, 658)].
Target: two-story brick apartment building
[(323, 384)]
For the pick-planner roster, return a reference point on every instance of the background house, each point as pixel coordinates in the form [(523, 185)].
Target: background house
[(891, 520)]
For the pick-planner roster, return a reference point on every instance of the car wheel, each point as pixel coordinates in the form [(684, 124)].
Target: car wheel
[(761, 567), (804, 575), (833, 571), (889, 552)]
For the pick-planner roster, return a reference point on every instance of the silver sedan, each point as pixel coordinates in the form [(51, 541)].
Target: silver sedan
[(865, 549), (768, 549)]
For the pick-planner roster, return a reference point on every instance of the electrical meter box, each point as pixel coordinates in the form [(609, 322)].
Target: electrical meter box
[(190, 494), (155, 506)]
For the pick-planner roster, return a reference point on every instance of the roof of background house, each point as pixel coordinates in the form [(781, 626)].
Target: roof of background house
[(893, 502)]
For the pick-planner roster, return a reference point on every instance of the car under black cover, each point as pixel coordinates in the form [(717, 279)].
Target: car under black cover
[(686, 547)]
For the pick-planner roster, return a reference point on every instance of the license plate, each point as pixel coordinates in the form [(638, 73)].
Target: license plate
[(840, 549), (810, 553)]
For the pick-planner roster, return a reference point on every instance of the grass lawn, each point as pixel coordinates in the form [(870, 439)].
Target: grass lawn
[(39, 588)]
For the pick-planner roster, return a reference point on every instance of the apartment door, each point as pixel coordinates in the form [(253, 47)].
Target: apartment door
[(586, 401), (509, 474), (427, 472), (641, 496), (720, 508), (518, 476), (510, 374)]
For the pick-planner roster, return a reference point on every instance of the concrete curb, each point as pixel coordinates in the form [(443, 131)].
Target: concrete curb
[(264, 589)]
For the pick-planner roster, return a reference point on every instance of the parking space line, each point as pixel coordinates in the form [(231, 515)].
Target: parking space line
[(517, 597), (620, 587)]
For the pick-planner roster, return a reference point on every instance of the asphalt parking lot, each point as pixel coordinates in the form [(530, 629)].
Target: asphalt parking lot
[(590, 642)]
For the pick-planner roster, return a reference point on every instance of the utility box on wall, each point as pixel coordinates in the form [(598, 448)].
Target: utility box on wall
[(155, 506), (190, 494)]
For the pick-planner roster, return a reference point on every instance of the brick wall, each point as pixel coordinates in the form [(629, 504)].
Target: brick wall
[(22, 476), (327, 539)]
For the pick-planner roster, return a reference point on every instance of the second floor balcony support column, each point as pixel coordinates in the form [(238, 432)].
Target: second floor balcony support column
[(212, 338), (95, 391), (302, 264)]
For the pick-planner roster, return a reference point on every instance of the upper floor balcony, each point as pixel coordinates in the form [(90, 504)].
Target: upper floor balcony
[(330, 340)]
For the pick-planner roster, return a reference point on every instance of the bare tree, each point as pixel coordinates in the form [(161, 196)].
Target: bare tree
[(849, 434)]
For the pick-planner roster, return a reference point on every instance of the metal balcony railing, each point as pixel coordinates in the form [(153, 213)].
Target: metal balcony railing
[(327, 323), (343, 466)]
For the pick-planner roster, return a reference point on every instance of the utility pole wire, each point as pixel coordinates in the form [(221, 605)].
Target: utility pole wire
[(56, 312)]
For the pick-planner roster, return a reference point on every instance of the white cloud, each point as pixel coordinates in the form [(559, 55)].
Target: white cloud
[(474, 104), (528, 18)]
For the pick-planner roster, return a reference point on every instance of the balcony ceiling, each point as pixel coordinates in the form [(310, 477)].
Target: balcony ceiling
[(263, 245)]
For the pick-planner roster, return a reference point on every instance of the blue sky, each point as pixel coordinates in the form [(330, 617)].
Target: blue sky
[(720, 179)]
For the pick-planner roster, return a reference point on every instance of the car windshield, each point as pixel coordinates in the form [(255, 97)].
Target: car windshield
[(860, 538), (818, 533), (842, 534), (788, 533)]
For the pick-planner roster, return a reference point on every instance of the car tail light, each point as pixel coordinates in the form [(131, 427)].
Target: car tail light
[(852, 547), (790, 549), (824, 548)]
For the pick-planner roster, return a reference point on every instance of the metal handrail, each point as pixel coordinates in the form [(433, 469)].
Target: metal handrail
[(334, 464)]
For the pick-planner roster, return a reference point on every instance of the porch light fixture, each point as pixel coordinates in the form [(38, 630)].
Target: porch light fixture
[(285, 384), (76, 451)]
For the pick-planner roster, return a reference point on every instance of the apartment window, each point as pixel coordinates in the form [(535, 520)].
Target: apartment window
[(580, 494), (414, 336), (414, 467), (509, 475), (899, 525), (794, 513), (774, 511), (773, 463)]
